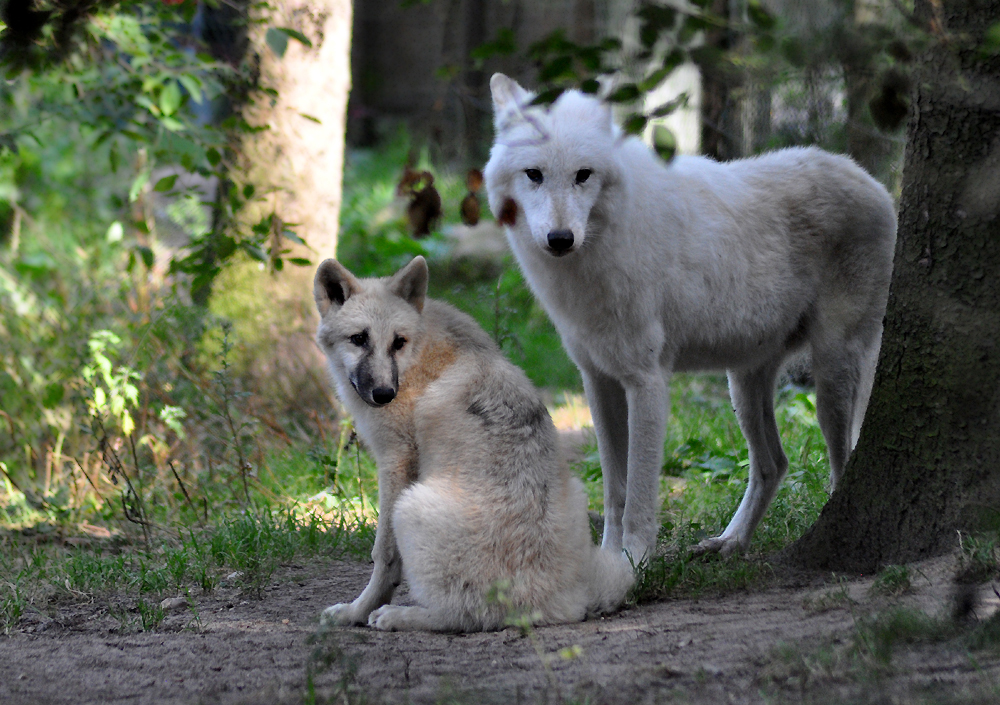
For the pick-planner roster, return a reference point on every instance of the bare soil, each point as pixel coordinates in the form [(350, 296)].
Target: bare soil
[(721, 649)]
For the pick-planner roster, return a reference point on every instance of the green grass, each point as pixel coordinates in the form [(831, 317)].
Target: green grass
[(249, 545), (893, 581)]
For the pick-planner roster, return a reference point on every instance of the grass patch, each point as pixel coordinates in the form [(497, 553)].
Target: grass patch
[(893, 581), (249, 546)]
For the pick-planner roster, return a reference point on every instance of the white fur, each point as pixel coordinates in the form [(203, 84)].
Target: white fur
[(693, 265), (476, 507)]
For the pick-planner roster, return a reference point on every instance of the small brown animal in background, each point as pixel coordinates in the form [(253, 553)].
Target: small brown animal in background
[(470, 204), (424, 208)]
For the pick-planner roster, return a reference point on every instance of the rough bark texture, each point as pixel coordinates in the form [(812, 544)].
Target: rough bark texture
[(928, 460)]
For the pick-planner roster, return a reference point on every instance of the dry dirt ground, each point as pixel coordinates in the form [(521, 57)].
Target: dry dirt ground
[(724, 649)]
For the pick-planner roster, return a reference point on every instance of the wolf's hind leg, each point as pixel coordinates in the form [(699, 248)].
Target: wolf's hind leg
[(844, 373), (752, 393), (399, 618)]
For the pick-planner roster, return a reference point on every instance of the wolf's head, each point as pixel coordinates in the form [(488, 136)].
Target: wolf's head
[(370, 328), (552, 171)]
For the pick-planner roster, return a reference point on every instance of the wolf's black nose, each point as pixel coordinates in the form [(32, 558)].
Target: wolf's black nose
[(561, 240), (383, 395)]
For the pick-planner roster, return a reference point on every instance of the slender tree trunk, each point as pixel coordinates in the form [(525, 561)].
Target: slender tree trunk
[(719, 80), (296, 163), (928, 460), (301, 154)]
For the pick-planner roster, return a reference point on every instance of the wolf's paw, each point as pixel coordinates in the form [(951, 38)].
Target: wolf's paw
[(389, 618), (342, 615), (723, 546)]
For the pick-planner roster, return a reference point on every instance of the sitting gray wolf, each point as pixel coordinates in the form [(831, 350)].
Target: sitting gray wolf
[(647, 267), (476, 507)]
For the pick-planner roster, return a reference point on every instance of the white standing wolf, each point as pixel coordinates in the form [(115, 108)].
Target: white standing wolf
[(476, 508), (646, 268)]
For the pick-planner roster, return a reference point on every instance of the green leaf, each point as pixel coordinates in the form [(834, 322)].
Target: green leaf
[(634, 124), (170, 98), (289, 234), (664, 142), (192, 84), (561, 67), (277, 41), (140, 181), (254, 251), (591, 86), (148, 258), (312, 118), (166, 183), (547, 97), (670, 106), (248, 191), (625, 93), (213, 156), (653, 80), (590, 57), (299, 261), (54, 393), (278, 264), (759, 16), (225, 247), (172, 124), (296, 35)]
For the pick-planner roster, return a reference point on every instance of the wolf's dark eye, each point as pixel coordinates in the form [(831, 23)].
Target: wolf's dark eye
[(535, 175), (398, 342), (582, 175), (360, 339)]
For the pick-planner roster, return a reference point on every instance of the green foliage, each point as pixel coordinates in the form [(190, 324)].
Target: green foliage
[(129, 84), (892, 581), (980, 556), (251, 545)]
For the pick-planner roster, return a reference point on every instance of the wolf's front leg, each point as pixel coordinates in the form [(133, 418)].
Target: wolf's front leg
[(388, 572), (609, 409), (648, 405)]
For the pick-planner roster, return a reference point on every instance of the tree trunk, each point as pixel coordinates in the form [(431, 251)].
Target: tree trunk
[(719, 80), (296, 163), (928, 460), (301, 155)]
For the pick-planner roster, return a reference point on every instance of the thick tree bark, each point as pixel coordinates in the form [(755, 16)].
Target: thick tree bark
[(928, 460)]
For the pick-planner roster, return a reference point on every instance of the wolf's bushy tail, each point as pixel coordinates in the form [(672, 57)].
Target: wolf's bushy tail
[(611, 577)]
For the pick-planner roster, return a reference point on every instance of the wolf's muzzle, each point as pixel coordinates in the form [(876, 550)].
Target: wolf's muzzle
[(560, 241), (383, 395)]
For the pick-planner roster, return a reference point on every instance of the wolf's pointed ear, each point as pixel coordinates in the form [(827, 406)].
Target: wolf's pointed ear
[(333, 286), (507, 93), (410, 283)]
